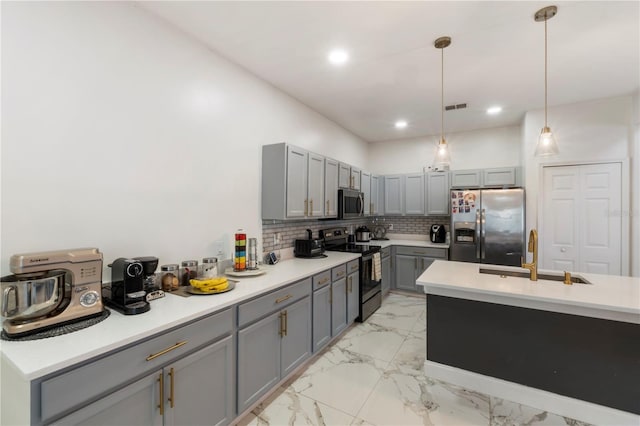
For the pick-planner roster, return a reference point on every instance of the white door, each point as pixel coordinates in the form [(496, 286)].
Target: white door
[(581, 231)]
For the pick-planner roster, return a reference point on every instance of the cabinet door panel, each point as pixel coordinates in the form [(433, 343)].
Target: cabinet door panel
[(203, 387), (344, 176), (315, 191), (331, 188), (296, 181), (414, 194), (365, 187), (437, 193), (375, 195), (338, 306), (258, 359), (355, 178), (321, 317), (296, 343), (393, 204), (353, 299), (385, 265), (136, 404), (406, 272)]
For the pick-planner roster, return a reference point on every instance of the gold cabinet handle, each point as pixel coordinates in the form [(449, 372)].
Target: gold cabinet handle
[(311, 207), (306, 210), (286, 322), (282, 299), (161, 399), (350, 287), (176, 346), (171, 373), (370, 208), (323, 281), (328, 209), (567, 278)]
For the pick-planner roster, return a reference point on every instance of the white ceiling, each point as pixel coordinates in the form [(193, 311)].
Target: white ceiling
[(496, 56)]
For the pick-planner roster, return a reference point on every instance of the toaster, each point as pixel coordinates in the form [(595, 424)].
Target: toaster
[(310, 247)]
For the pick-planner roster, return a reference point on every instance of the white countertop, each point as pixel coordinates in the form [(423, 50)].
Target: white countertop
[(609, 296), (37, 358)]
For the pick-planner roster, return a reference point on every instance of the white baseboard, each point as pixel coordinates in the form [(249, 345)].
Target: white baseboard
[(548, 401)]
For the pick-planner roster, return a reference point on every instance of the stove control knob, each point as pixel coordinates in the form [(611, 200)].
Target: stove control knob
[(89, 299)]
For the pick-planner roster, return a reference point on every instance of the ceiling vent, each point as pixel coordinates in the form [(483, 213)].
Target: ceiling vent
[(452, 107)]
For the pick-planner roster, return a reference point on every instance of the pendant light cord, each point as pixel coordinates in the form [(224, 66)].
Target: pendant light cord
[(545, 71), (441, 95)]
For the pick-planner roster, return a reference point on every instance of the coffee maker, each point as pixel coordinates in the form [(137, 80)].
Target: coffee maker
[(51, 288), (149, 280), (126, 292)]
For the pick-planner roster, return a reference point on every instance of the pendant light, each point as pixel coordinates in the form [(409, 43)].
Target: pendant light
[(442, 158), (546, 142)]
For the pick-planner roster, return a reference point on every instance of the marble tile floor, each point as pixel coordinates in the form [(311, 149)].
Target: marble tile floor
[(373, 376)]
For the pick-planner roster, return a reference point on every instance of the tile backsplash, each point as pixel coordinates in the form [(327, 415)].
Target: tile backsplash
[(291, 230)]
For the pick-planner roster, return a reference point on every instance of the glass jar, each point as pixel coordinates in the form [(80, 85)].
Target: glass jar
[(252, 253), (188, 271), (169, 280), (209, 267)]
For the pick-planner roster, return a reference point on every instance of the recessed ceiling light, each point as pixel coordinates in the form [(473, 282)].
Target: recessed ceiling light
[(401, 124), (494, 110), (338, 56)]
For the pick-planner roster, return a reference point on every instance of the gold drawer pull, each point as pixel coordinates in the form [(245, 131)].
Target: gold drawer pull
[(324, 280), (176, 346), (282, 299), (171, 373)]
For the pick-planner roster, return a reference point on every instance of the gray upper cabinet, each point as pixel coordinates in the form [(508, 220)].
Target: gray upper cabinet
[(344, 176), (315, 185), (437, 193), (466, 178), (330, 188), (365, 187), (503, 177), (375, 195), (296, 182), (414, 194), (393, 193)]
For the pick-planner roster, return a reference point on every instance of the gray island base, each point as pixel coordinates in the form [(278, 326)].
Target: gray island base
[(585, 367)]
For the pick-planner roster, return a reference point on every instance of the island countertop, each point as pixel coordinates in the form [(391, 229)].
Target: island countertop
[(608, 296)]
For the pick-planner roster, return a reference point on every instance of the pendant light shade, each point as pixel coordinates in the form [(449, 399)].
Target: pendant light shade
[(546, 145), (442, 158)]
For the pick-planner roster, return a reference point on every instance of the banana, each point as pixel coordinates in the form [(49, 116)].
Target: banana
[(211, 284)]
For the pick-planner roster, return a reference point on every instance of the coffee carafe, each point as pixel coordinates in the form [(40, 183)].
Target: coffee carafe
[(126, 292)]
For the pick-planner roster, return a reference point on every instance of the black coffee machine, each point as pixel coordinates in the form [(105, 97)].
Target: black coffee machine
[(126, 292), (149, 282)]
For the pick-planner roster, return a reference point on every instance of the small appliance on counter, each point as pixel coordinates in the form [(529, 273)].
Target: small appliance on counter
[(311, 247), (363, 235), (438, 234), (126, 292), (50, 289), (149, 279)]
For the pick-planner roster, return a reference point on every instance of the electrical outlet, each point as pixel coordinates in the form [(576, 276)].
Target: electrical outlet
[(218, 248), (391, 227), (278, 237)]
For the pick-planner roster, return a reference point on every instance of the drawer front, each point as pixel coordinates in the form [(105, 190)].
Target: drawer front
[(338, 272), (321, 279), (353, 266), (264, 305), (73, 388), (439, 253), (385, 252)]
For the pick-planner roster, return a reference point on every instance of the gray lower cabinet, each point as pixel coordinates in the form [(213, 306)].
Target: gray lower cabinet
[(321, 317), (385, 263), (338, 299), (353, 291), (132, 385), (411, 262), (275, 344), (333, 304)]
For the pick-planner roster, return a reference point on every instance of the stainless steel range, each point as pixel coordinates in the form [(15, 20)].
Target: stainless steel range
[(335, 239)]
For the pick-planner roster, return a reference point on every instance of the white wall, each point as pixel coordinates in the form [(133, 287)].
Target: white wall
[(593, 131), (497, 147), (121, 133)]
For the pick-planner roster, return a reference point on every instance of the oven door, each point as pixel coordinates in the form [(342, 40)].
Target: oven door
[(350, 204), (370, 290)]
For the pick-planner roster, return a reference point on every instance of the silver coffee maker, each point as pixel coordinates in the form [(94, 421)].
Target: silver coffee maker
[(51, 288)]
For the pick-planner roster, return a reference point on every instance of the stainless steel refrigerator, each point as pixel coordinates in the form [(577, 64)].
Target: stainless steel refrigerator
[(487, 226)]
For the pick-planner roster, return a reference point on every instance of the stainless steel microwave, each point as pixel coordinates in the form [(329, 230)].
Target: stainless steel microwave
[(350, 203)]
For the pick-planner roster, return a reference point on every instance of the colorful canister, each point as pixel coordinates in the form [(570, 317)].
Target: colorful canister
[(240, 257)]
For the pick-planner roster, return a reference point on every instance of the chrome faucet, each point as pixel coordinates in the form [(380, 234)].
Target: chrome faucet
[(532, 248)]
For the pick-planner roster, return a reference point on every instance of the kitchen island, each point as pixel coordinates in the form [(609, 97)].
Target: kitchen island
[(571, 349)]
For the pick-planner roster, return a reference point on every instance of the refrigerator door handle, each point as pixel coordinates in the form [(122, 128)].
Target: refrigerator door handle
[(477, 234), (484, 233)]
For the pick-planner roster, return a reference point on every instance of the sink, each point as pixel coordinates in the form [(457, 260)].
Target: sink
[(575, 279)]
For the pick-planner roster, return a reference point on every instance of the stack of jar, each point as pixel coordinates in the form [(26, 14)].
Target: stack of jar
[(172, 275)]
